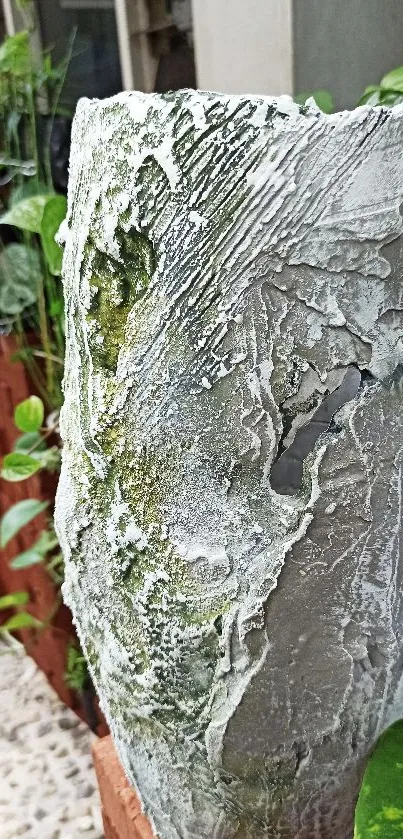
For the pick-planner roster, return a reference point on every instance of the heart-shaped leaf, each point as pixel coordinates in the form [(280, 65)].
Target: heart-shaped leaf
[(29, 414), (393, 80), (27, 441), (18, 467), (27, 214), (26, 189), (20, 278)]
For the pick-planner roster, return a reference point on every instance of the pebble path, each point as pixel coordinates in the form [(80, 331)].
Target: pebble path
[(48, 788)]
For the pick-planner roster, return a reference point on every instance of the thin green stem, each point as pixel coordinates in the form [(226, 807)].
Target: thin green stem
[(55, 103), (32, 119), (55, 358), (16, 138), (47, 433), (53, 295), (45, 338), (34, 370)]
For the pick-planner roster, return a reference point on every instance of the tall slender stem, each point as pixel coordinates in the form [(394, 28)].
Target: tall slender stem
[(55, 103), (45, 338)]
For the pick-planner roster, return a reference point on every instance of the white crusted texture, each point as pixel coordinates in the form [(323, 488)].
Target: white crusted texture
[(229, 504)]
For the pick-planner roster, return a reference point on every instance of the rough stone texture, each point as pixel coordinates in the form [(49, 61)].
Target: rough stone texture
[(48, 788), (232, 272)]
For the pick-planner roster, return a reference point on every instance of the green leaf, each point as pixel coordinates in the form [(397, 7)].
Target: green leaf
[(53, 215), (18, 467), (76, 674), (21, 621), (46, 542), (15, 54), (17, 516), (26, 559), (323, 99), (27, 214), (37, 552), (16, 598), (390, 97), (393, 80), (26, 441), (372, 88), (29, 414), (379, 809), (56, 308), (371, 96), (20, 278), (26, 190), (55, 567)]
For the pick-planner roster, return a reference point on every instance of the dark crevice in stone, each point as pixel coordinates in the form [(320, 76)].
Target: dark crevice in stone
[(375, 656), (334, 427), (354, 742), (397, 377), (367, 379), (287, 417), (287, 470), (301, 751), (218, 624)]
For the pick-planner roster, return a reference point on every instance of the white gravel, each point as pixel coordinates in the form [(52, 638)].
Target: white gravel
[(48, 788)]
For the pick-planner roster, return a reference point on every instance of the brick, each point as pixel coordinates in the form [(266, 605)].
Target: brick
[(121, 807)]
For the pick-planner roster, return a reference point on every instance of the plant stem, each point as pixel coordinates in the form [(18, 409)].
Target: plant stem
[(55, 358), (54, 610), (33, 369), (55, 104), (45, 339), (46, 434)]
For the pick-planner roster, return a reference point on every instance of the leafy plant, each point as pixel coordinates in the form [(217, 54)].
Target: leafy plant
[(379, 811), (22, 619), (30, 289), (17, 467), (42, 214), (54, 213), (20, 275), (31, 454), (31, 297), (76, 674), (389, 91), (29, 414), (18, 516), (323, 99)]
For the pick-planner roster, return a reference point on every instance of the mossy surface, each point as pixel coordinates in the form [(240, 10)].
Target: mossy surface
[(216, 250), (118, 284)]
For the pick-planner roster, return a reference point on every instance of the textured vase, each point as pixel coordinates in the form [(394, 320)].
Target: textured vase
[(230, 500)]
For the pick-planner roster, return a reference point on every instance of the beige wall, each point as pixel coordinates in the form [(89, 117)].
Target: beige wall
[(243, 46)]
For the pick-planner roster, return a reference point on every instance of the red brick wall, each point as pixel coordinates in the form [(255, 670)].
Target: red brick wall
[(121, 808), (48, 647)]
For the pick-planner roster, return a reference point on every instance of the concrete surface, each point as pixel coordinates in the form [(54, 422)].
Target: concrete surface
[(48, 788)]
